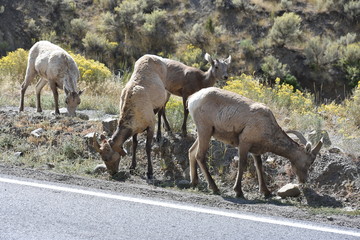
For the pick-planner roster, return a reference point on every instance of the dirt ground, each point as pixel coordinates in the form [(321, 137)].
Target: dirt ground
[(332, 194)]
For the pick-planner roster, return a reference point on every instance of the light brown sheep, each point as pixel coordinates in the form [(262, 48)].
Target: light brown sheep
[(182, 80), (56, 67), (142, 97), (251, 126)]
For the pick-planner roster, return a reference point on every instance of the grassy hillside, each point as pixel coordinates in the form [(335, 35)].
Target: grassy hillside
[(311, 44)]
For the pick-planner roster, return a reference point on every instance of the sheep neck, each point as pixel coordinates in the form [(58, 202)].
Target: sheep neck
[(209, 78), (284, 146)]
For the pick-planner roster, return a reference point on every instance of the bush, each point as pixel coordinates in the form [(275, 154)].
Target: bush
[(92, 73), (350, 62), (352, 9), (192, 56), (13, 66), (273, 68), (286, 29)]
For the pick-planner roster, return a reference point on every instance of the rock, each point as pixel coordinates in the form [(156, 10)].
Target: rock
[(109, 125), (336, 150), (82, 116), (100, 168), (18, 154), (37, 132), (316, 135), (50, 165), (289, 190), (121, 176), (89, 140), (182, 184)]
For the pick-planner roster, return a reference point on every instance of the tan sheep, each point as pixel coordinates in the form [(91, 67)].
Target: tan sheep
[(142, 97), (182, 80), (56, 67), (251, 126)]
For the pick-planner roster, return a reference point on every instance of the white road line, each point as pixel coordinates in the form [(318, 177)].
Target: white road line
[(183, 207)]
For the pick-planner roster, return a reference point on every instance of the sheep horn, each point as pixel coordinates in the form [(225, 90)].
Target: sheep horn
[(317, 148), (299, 135)]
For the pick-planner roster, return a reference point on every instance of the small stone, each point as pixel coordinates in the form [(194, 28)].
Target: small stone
[(37, 132), (50, 165), (101, 168), (335, 150), (109, 125), (82, 116), (121, 176), (18, 154), (182, 184), (330, 218), (289, 190)]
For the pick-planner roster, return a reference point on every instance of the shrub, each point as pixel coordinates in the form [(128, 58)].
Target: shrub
[(350, 63), (192, 56), (273, 68), (352, 9), (92, 73), (286, 29), (248, 47), (13, 66)]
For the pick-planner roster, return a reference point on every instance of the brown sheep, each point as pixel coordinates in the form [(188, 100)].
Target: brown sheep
[(142, 97), (251, 126)]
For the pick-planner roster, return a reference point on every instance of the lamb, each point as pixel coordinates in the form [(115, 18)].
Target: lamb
[(251, 126), (142, 97), (56, 67), (182, 80)]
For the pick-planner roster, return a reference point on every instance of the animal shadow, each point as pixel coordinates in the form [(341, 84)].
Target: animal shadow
[(316, 200)]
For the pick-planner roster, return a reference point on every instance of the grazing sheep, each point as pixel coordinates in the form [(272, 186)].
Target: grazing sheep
[(142, 97), (251, 126), (56, 67), (182, 80)]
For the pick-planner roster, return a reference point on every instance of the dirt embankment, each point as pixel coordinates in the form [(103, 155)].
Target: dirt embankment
[(332, 194)]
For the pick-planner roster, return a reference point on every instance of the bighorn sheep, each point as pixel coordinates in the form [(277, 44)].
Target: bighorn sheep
[(142, 97), (182, 80), (250, 126), (56, 67)]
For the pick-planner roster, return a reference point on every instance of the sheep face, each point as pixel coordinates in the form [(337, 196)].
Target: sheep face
[(72, 100), (301, 167), (219, 67), (110, 157)]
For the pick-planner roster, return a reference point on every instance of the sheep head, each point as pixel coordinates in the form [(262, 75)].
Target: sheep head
[(301, 166), (72, 100), (110, 157), (219, 68)]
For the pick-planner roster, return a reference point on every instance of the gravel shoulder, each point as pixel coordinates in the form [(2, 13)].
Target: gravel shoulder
[(332, 195)]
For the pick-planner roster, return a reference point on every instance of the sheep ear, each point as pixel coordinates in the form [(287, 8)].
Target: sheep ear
[(228, 60), (209, 59), (66, 91)]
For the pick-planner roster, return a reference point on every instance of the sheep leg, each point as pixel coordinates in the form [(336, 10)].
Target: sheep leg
[(149, 137), (158, 134), (39, 86), (133, 160), (166, 122), (203, 139), (30, 75), (56, 96), (243, 152), (186, 113), (193, 165), (260, 173)]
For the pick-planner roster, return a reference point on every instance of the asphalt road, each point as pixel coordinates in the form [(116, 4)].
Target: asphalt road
[(32, 209)]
